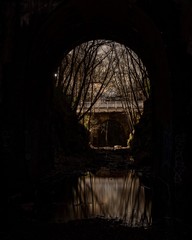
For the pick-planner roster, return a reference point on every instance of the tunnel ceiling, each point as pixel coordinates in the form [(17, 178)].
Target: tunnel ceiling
[(79, 21)]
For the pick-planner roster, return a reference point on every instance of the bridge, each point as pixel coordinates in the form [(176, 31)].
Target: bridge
[(109, 118), (110, 106)]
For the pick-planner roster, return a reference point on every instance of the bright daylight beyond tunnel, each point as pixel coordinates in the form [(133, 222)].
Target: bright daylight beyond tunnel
[(97, 78)]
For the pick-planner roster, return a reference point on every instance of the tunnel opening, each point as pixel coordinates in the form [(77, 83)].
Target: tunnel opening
[(103, 86), (94, 149), (140, 38), (47, 53), (110, 134)]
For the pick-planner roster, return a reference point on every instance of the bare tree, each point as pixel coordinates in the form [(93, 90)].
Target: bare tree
[(82, 76), (132, 82), (95, 68)]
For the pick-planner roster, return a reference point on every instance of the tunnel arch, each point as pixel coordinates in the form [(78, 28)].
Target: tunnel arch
[(80, 21), (111, 133)]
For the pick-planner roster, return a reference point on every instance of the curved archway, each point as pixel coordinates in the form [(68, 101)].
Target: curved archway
[(79, 21), (111, 133)]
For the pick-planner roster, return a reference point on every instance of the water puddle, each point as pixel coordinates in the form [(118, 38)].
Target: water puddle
[(112, 195)]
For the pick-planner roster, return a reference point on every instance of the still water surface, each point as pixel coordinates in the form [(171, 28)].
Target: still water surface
[(111, 195)]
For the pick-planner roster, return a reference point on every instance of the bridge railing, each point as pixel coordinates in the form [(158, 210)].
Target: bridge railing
[(108, 106)]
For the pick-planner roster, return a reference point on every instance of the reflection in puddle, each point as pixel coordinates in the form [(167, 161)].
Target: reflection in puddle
[(111, 196)]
